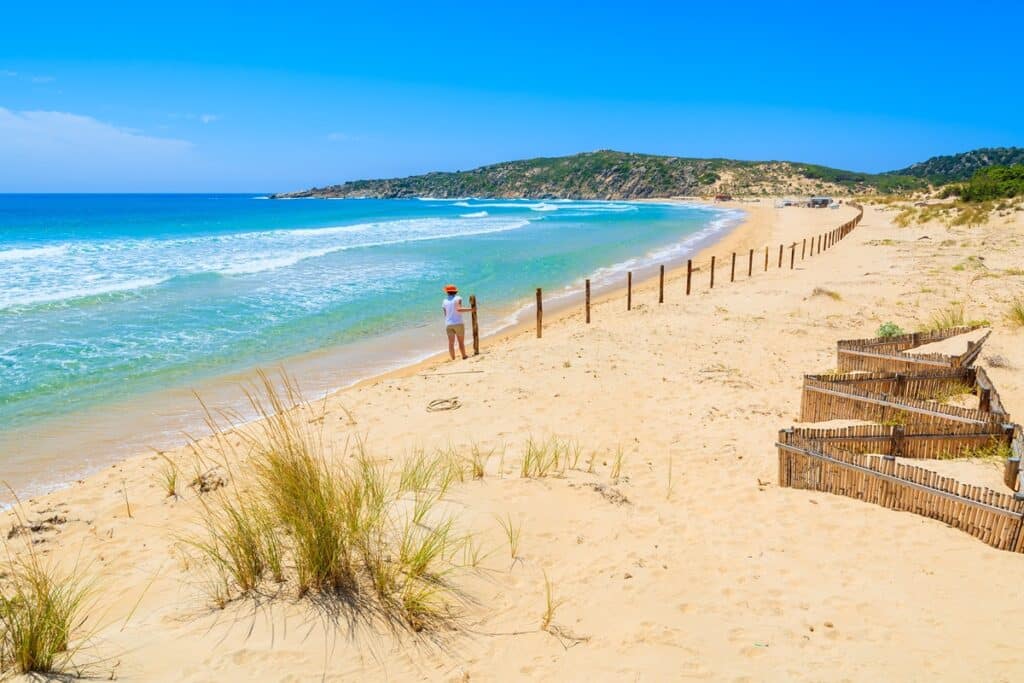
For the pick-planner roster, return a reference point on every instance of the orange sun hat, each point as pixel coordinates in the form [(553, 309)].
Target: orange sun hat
[(450, 289)]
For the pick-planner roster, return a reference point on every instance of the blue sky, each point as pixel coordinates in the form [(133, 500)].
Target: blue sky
[(256, 97)]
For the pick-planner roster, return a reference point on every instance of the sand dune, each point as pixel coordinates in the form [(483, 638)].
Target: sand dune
[(712, 572)]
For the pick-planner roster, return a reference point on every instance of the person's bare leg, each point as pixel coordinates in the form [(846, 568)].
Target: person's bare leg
[(462, 347), (451, 345)]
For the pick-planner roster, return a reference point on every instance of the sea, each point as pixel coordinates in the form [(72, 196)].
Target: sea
[(116, 309)]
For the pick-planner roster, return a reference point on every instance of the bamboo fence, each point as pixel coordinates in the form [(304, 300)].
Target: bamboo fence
[(995, 518), (889, 355), (894, 388), (824, 241)]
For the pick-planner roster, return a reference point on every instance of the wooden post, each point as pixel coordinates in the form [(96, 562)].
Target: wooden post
[(803, 250), (540, 314), (750, 266), (780, 256), (766, 259), (689, 274), (792, 255), (732, 272), (661, 285), (476, 328), (712, 272), (629, 290), (985, 400), (588, 301)]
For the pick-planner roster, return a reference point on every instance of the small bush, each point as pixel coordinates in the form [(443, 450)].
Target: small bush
[(889, 330)]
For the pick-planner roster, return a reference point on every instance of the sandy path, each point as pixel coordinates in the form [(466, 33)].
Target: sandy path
[(722, 576)]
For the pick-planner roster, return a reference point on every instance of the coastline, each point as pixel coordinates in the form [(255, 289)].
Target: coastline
[(692, 551), (166, 418)]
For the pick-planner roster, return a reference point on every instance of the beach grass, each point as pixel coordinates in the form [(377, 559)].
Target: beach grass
[(944, 318), (831, 294), (336, 528), (513, 532), (550, 604), (1015, 314), (41, 609)]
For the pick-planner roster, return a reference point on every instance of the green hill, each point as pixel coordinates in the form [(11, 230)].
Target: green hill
[(609, 174), (957, 167)]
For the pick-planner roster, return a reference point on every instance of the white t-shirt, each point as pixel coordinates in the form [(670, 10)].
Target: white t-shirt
[(451, 306)]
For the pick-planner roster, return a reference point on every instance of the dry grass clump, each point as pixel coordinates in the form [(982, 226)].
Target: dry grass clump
[(335, 528), (995, 450), (551, 457), (1015, 314), (41, 609), (550, 605), (821, 291), (948, 392), (944, 318), (168, 476), (512, 534)]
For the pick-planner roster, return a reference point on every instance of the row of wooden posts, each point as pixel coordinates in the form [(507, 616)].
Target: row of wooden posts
[(818, 244)]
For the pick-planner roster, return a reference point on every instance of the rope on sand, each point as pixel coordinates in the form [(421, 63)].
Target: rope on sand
[(440, 404)]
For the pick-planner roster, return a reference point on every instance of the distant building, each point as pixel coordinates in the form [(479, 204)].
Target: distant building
[(819, 202)]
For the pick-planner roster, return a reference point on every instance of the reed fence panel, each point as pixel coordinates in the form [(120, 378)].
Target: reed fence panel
[(994, 518)]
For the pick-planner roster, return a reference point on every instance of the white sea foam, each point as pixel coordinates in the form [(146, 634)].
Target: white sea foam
[(33, 252), (475, 214), (70, 293)]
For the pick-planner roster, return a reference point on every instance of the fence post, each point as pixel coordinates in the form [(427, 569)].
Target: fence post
[(750, 266), (712, 272), (629, 290), (588, 300), (689, 274), (792, 255), (661, 285), (540, 313), (476, 329), (766, 259), (985, 400), (803, 250), (780, 256), (732, 272)]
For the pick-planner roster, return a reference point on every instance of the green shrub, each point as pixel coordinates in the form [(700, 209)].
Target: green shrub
[(888, 330)]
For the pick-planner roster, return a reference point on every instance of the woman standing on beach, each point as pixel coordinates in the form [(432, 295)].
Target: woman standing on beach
[(453, 310)]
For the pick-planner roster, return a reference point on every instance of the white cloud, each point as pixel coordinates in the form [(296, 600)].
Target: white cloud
[(53, 150), (42, 79), (208, 118)]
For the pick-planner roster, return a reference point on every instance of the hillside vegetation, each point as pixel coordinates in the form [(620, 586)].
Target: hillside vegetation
[(994, 182), (620, 175), (958, 167)]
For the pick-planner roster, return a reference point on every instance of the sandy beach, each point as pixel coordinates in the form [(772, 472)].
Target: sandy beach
[(690, 564)]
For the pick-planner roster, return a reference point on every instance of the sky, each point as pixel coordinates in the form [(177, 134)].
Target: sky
[(254, 97)]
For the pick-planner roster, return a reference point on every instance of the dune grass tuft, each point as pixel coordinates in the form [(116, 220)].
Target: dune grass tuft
[(331, 527), (512, 534), (821, 291), (944, 318), (1015, 314), (40, 611), (550, 605)]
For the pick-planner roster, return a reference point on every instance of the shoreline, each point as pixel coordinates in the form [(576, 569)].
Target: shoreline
[(169, 430), (683, 546)]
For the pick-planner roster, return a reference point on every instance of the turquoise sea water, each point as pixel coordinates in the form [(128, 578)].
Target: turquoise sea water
[(104, 297)]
